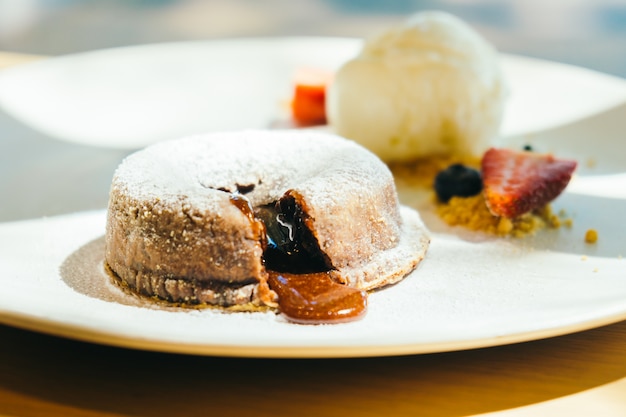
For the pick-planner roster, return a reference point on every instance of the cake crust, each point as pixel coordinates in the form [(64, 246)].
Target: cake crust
[(173, 231)]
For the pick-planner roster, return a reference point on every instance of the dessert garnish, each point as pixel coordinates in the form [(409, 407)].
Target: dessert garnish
[(308, 104), (517, 187), (457, 180), (517, 182)]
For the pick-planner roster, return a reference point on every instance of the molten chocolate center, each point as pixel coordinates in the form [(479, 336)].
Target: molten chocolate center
[(291, 246), (298, 269)]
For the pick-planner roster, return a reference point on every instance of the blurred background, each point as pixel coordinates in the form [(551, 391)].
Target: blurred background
[(589, 33), (44, 177)]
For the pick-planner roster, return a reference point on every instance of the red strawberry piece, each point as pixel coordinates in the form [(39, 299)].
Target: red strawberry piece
[(516, 182)]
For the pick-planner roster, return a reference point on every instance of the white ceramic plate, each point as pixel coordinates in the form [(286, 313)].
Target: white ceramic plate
[(470, 291), (130, 97)]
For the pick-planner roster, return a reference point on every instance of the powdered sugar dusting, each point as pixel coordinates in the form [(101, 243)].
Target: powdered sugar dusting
[(202, 167)]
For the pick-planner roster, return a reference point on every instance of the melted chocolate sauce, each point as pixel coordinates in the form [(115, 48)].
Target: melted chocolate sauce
[(316, 299), (291, 247)]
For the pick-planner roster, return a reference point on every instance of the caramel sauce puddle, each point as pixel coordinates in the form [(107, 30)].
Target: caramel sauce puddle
[(314, 298)]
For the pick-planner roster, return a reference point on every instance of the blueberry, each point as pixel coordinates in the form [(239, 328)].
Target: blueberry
[(457, 180)]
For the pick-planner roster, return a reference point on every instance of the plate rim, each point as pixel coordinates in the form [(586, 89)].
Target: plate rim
[(89, 335)]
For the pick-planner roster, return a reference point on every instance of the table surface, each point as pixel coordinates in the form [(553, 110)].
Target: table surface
[(40, 375)]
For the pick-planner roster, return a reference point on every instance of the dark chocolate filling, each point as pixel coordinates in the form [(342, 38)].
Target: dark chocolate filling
[(291, 246), (298, 270)]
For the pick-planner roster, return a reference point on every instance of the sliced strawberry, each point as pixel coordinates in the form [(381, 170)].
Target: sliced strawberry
[(516, 182)]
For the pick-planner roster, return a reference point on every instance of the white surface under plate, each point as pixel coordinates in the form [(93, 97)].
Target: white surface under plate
[(133, 96)]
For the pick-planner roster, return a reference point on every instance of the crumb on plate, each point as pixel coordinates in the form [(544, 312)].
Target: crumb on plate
[(472, 213), (591, 236)]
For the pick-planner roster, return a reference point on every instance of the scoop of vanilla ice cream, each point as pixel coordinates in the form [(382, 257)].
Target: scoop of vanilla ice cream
[(430, 86)]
